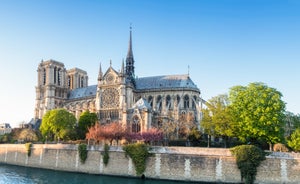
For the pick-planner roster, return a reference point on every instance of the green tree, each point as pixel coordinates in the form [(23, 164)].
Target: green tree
[(217, 118), (259, 112), (86, 120), (207, 124), (294, 141), (292, 122), (58, 123)]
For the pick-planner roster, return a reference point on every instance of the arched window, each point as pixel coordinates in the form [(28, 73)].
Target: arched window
[(159, 103), (81, 82), (168, 102), (69, 81), (58, 76), (55, 73), (136, 127), (186, 101), (150, 101), (44, 76)]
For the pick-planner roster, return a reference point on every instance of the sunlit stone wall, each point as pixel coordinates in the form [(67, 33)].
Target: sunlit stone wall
[(173, 163)]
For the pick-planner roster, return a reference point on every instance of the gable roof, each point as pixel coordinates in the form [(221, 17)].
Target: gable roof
[(89, 91), (165, 82)]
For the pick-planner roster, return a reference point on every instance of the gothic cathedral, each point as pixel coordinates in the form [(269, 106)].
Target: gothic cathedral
[(138, 103)]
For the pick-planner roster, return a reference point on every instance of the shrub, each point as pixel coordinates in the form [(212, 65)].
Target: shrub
[(28, 148), (280, 147), (248, 158), (82, 148), (138, 152), (294, 141), (105, 154)]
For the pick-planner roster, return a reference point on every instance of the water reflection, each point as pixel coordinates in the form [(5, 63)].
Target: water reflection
[(25, 175)]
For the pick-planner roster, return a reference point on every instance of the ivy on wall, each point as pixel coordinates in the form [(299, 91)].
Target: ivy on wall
[(105, 154), (248, 158), (139, 153), (28, 148), (82, 149)]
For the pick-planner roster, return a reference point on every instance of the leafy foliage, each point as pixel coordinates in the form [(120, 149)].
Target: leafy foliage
[(194, 135), (292, 122), (248, 158), (106, 154), (6, 138), (258, 111), (294, 141), (217, 119), (86, 120), (138, 153), (58, 123), (82, 149), (28, 148)]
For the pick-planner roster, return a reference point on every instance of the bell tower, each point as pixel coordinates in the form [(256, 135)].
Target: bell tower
[(51, 89)]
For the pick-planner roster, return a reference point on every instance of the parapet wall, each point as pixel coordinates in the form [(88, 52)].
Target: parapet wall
[(172, 163)]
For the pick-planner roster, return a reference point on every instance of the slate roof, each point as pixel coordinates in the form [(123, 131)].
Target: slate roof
[(165, 82), (89, 91)]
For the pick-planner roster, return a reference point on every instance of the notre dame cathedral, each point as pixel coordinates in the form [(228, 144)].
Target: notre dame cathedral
[(139, 103)]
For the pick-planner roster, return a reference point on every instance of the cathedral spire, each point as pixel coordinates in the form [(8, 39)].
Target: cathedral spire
[(100, 74), (129, 53), (129, 59)]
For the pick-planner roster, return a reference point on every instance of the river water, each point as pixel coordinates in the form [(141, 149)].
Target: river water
[(24, 175)]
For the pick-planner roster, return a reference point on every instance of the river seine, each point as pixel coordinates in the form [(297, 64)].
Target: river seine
[(24, 175)]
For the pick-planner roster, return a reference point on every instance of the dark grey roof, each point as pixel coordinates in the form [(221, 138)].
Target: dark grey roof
[(165, 82), (89, 91)]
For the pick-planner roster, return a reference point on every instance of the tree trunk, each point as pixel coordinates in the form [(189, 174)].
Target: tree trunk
[(208, 141)]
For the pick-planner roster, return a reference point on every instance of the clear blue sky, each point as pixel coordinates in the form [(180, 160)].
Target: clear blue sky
[(225, 43)]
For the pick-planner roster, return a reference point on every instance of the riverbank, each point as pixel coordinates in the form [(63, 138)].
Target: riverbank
[(171, 163)]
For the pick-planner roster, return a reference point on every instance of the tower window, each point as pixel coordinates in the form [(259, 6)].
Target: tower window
[(81, 82), (44, 76), (69, 81), (58, 77), (55, 73)]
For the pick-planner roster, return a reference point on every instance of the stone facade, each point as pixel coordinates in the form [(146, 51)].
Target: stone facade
[(171, 163), (5, 128), (139, 103)]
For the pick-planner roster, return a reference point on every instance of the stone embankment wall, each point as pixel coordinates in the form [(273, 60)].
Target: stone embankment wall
[(173, 163)]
